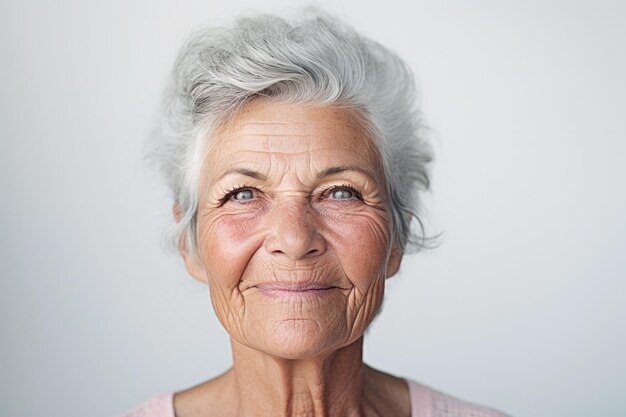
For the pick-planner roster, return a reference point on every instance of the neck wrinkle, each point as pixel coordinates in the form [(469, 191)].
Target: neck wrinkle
[(330, 385)]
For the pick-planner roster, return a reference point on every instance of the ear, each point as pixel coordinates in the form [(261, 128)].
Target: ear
[(394, 261), (192, 263), (194, 267)]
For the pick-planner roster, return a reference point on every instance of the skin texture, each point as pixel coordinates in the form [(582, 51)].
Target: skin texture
[(294, 242)]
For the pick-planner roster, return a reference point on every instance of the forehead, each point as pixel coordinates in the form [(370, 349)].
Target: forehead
[(273, 132)]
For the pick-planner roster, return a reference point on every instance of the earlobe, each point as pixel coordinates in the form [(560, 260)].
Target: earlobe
[(192, 263), (194, 267), (393, 264)]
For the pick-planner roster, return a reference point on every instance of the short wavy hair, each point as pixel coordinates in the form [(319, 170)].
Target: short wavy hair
[(315, 59)]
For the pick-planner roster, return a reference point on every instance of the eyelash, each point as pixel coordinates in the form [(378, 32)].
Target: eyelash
[(357, 193), (231, 192)]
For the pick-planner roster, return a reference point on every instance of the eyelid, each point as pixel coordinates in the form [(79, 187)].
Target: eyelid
[(357, 193), (323, 194), (232, 191)]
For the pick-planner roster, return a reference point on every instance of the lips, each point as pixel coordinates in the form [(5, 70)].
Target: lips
[(294, 289)]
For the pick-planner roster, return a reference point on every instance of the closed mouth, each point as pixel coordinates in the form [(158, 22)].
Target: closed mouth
[(294, 289)]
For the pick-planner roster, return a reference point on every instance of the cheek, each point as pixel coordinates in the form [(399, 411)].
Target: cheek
[(361, 243), (227, 243)]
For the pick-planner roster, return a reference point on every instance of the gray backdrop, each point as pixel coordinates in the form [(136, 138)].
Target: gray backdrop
[(522, 307)]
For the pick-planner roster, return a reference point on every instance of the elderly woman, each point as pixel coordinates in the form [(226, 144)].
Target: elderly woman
[(295, 156)]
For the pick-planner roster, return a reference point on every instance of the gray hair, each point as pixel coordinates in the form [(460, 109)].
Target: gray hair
[(316, 59)]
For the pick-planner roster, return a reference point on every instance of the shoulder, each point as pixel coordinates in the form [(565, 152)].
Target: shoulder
[(160, 406), (427, 402)]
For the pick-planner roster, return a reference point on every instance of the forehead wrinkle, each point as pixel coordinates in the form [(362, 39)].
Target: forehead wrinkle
[(279, 143), (275, 128), (275, 166), (281, 173), (263, 152), (292, 128), (279, 140), (260, 163), (275, 123), (274, 135), (336, 121), (284, 145), (266, 165)]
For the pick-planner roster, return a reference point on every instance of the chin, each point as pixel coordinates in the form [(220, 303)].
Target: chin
[(299, 339)]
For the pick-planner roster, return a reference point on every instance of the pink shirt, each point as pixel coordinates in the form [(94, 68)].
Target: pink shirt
[(425, 402)]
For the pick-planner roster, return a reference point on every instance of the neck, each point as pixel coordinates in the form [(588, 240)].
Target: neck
[(329, 385)]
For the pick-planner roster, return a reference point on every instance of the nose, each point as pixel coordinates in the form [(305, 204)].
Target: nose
[(294, 232)]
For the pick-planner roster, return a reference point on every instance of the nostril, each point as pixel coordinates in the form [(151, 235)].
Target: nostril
[(293, 233), (294, 251)]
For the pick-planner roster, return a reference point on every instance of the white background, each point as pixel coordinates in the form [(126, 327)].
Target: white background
[(521, 307)]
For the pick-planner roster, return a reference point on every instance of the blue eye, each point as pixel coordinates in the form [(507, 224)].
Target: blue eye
[(342, 194), (243, 195)]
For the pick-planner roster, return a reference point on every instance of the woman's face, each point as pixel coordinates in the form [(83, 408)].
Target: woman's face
[(293, 229)]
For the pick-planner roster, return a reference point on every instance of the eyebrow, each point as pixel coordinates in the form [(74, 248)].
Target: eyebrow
[(245, 172), (328, 172), (343, 168)]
